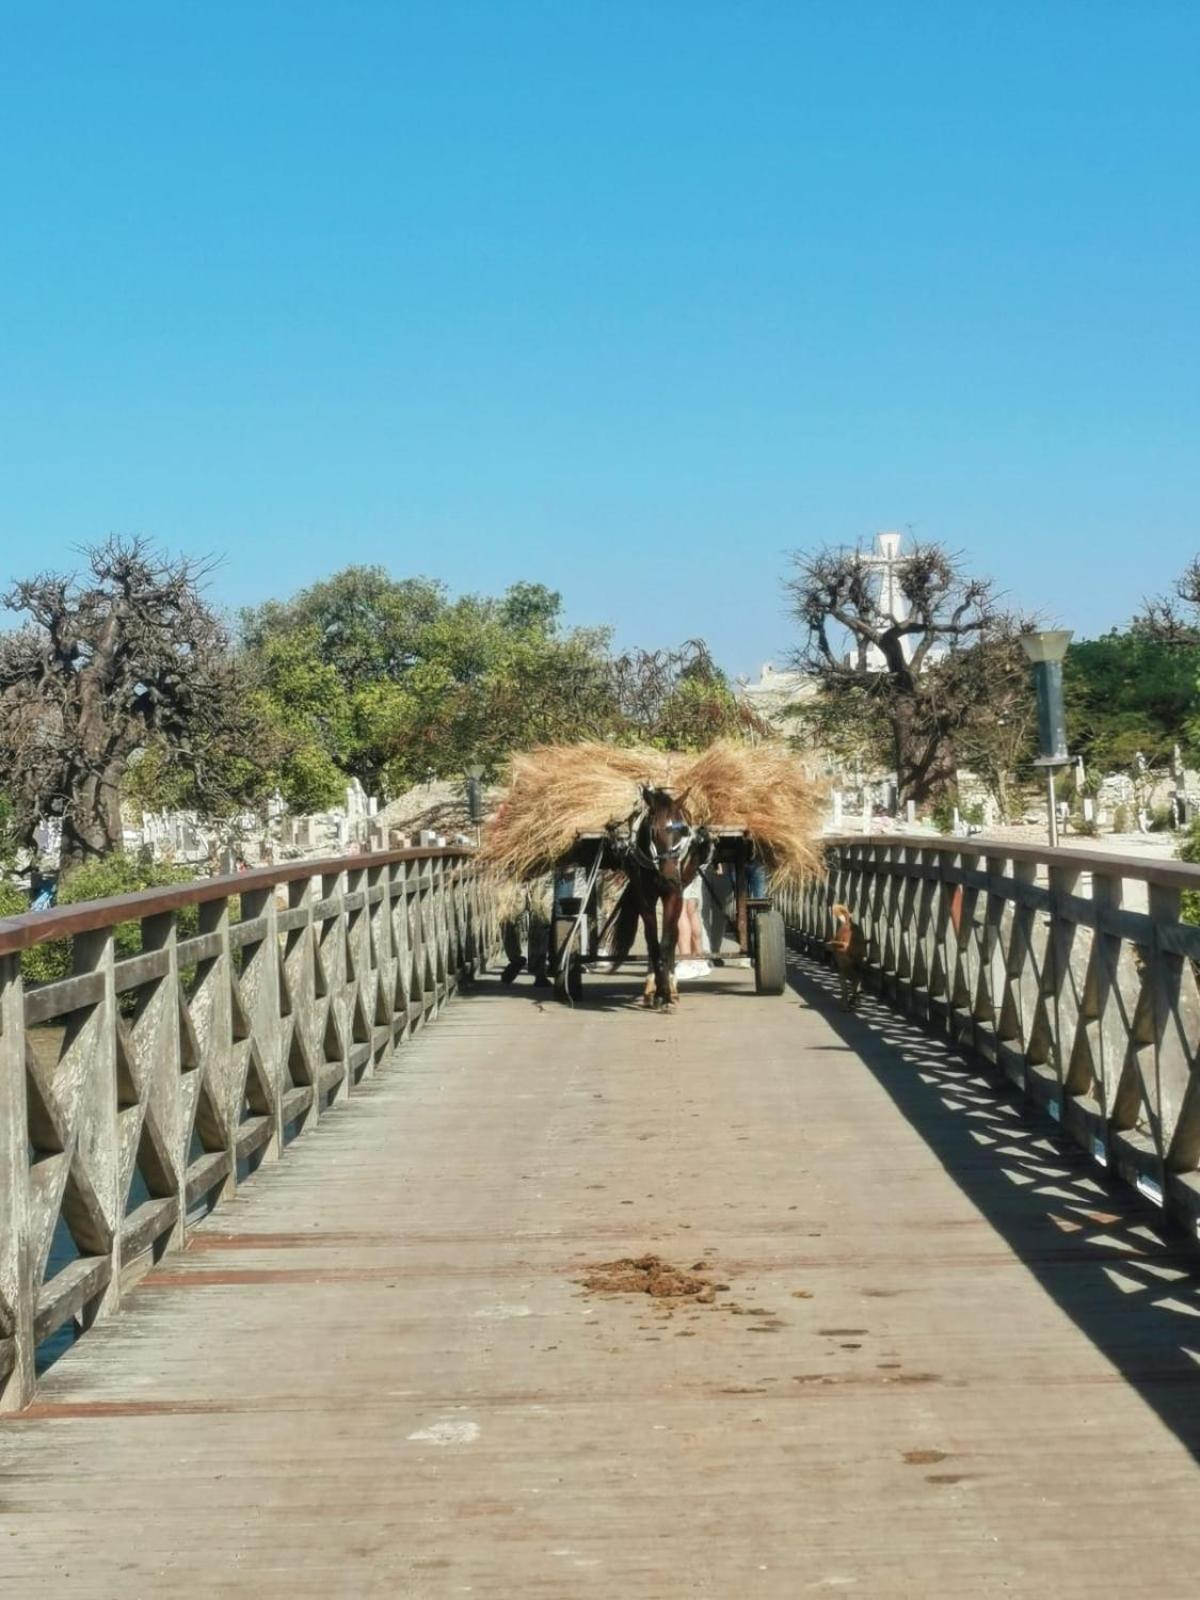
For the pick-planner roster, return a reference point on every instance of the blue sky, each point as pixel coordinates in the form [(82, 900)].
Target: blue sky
[(632, 298)]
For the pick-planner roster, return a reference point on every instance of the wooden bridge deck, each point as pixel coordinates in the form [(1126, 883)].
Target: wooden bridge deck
[(956, 1366)]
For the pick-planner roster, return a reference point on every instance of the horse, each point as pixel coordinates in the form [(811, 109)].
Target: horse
[(661, 855)]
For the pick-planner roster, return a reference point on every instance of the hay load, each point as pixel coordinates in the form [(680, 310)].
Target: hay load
[(558, 791)]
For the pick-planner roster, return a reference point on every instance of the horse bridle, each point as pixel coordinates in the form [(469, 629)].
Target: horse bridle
[(655, 859)]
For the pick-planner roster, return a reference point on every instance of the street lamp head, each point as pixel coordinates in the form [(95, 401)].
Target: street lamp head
[(475, 770), (1047, 646)]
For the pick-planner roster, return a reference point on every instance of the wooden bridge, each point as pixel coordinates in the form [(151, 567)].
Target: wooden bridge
[(328, 1266)]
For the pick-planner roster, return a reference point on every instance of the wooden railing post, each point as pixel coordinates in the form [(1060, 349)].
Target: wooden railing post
[(259, 990), (90, 1204), (333, 944), (360, 1007), (156, 1040), (1176, 1031), (214, 1083), (18, 1290), (1065, 973), (303, 991)]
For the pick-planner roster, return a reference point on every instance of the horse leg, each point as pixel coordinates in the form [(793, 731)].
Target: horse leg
[(672, 910), (656, 982), (650, 929)]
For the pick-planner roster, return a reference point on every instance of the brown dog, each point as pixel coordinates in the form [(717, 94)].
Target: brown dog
[(848, 948)]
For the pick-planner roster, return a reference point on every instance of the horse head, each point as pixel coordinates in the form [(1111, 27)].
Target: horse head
[(666, 832)]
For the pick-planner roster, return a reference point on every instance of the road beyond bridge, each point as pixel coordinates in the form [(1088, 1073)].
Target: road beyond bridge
[(952, 1359)]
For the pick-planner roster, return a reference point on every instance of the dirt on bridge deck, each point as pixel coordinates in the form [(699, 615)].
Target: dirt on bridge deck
[(931, 1353)]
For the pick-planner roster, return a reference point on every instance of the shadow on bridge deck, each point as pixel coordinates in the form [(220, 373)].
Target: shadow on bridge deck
[(1126, 1275)]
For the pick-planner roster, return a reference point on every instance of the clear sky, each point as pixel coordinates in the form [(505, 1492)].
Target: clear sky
[(631, 297)]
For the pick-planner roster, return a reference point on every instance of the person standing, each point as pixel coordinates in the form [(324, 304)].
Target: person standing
[(689, 948), (526, 930)]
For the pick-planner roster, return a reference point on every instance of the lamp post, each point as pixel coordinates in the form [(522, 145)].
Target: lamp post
[(475, 796), (1046, 651)]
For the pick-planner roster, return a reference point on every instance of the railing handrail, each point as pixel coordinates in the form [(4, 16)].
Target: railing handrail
[(86, 916), (1167, 874)]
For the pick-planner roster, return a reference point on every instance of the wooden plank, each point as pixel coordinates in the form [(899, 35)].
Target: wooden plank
[(252, 1135), (59, 999), (251, 930), (296, 1102), (335, 1073), (68, 1292), (147, 1223), (204, 1174), (134, 971), (200, 947)]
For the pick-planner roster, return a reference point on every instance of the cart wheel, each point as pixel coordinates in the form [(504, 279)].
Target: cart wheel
[(568, 980), (770, 953)]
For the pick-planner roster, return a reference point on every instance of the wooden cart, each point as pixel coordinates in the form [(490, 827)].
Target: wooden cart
[(577, 936)]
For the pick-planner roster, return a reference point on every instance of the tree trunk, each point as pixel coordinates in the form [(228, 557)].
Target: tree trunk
[(1002, 793), (92, 828), (925, 761)]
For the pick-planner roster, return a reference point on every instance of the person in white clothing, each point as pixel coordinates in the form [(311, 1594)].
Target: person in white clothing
[(689, 950)]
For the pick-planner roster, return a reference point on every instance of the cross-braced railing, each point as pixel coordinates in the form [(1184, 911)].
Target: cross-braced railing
[(1070, 970), (136, 1093)]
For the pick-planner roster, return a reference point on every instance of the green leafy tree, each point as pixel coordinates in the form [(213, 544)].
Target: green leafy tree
[(1131, 691), (391, 681)]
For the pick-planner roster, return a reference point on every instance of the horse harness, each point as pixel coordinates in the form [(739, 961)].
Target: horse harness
[(652, 857)]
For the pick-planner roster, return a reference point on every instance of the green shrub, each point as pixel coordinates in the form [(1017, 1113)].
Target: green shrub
[(100, 880), (1189, 850), (14, 902), (1120, 820), (941, 814)]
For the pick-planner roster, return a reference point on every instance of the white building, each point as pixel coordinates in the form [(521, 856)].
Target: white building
[(891, 601), (775, 691)]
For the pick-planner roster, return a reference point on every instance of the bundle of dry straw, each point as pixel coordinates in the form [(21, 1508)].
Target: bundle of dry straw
[(558, 791)]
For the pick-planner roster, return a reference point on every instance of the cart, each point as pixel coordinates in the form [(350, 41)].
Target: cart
[(577, 936)]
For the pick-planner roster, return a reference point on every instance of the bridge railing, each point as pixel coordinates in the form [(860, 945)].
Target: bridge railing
[(137, 1092), (1070, 970)]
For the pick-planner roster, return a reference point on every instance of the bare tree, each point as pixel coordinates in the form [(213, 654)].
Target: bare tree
[(126, 656), (1174, 619), (916, 672)]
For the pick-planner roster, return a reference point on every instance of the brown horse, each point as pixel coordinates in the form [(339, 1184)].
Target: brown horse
[(660, 857)]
